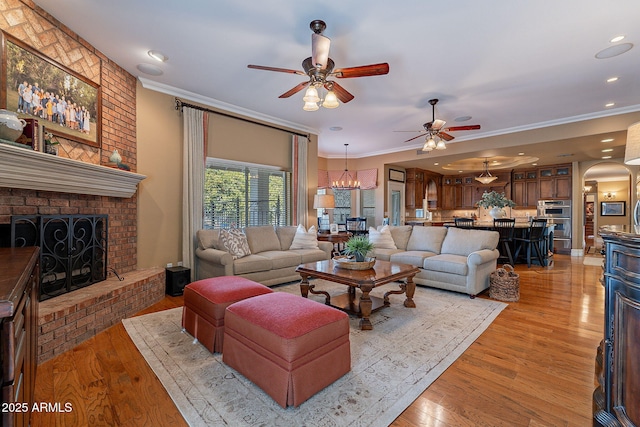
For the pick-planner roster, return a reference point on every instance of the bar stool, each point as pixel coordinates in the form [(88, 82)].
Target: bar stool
[(506, 228), (533, 237), (463, 222)]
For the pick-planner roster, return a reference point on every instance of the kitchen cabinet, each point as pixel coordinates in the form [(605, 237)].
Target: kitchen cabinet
[(616, 400), (554, 182), (524, 188), (19, 283), (450, 192), (414, 189)]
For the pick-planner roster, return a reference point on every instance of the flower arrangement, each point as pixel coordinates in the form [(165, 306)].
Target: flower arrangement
[(494, 199), (50, 140)]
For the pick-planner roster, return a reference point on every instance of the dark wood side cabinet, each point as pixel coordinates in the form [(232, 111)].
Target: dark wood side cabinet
[(616, 400), (18, 332)]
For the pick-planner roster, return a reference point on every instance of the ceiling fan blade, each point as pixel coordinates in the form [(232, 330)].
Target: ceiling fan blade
[(416, 137), (469, 127), (362, 71), (320, 50), (343, 95), (280, 70), (294, 90), (445, 136)]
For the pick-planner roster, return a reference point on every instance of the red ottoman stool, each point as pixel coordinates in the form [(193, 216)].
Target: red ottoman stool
[(291, 347), (205, 302)]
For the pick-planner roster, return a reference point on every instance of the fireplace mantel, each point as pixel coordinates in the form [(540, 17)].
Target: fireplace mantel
[(22, 168)]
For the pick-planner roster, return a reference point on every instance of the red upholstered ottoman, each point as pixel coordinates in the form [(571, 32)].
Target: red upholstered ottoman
[(205, 302), (291, 347)]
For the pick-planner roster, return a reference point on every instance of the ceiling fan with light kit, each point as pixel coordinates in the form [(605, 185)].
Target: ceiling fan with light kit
[(319, 68), (435, 130)]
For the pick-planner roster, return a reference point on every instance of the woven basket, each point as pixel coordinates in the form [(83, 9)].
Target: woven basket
[(350, 264), (504, 284)]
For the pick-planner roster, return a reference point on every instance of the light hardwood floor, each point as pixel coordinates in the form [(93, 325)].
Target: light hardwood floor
[(534, 366)]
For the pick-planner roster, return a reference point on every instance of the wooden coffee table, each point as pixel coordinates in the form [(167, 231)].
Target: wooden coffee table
[(362, 304)]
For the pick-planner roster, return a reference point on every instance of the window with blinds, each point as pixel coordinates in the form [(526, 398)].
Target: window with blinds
[(242, 195)]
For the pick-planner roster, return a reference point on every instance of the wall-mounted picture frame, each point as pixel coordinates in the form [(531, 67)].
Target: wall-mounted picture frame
[(613, 208), (35, 86), (396, 175)]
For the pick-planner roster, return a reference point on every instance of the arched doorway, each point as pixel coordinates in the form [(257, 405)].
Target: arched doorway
[(607, 200)]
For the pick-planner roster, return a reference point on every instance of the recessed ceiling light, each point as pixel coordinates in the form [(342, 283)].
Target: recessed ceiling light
[(520, 154), (610, 104), (152, 70), (616, 39), (462, 118), (606, 157), (612, 79), (436, 164), (460, 171), (158, 56), (335, 128), (607, 140), (534, 164), (615, 50), (607, 150)]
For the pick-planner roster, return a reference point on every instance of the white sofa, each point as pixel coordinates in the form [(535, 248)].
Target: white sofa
[(271, 261), (450, 258)]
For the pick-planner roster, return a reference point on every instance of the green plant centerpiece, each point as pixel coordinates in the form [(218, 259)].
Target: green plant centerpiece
[(496, 202), (359, 247)]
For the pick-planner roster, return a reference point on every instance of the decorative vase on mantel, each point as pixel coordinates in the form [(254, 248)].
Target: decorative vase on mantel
[(497, 213)]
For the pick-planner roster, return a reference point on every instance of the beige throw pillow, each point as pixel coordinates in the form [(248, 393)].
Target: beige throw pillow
[(305, 239), (235, 242), (381, 239)]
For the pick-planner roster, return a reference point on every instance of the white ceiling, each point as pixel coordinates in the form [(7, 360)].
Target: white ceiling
[(512, 66)]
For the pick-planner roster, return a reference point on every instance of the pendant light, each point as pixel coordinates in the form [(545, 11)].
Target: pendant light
[(347, 181), (486, 177)]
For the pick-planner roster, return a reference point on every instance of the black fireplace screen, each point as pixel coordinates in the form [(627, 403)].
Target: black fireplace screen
[(73, 249)]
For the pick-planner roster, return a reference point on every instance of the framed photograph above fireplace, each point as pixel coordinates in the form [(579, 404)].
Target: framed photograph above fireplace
[(613, 208), (35, 86)]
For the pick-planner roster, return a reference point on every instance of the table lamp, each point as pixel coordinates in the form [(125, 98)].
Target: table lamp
[(324, 202)]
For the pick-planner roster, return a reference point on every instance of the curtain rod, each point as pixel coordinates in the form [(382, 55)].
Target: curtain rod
[(180, 104)]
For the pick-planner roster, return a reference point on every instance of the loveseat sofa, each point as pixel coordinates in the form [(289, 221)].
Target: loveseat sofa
[(271, 259), (449, 258)]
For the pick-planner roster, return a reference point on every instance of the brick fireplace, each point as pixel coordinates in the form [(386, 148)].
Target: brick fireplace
[(79, 181)]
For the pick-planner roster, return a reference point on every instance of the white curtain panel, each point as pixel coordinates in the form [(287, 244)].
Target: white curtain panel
[(193, 164), (299, 163)]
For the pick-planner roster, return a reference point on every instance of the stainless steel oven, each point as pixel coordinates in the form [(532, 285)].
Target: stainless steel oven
[(554, 208), (558, 213)]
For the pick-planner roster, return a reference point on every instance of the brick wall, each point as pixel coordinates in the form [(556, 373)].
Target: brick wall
[(42, 32), (69, 319)]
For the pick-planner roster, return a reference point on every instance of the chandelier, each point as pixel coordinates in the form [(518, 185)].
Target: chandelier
[(486, 177), (347, 181)]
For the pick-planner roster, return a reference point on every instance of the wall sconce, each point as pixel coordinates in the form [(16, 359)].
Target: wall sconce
[(611, 195), (586, 189)]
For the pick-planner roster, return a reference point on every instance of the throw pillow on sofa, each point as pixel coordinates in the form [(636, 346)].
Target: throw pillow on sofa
[(382, 239), (305, 239), (235, 242)]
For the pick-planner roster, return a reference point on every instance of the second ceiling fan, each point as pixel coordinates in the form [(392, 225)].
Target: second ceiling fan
[(319, 68), (435, 128)]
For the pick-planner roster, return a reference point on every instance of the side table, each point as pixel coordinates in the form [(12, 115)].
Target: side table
[(338, 239)]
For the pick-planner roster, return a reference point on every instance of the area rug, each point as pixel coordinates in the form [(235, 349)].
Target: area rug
[(392, 364), (593, 260)]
